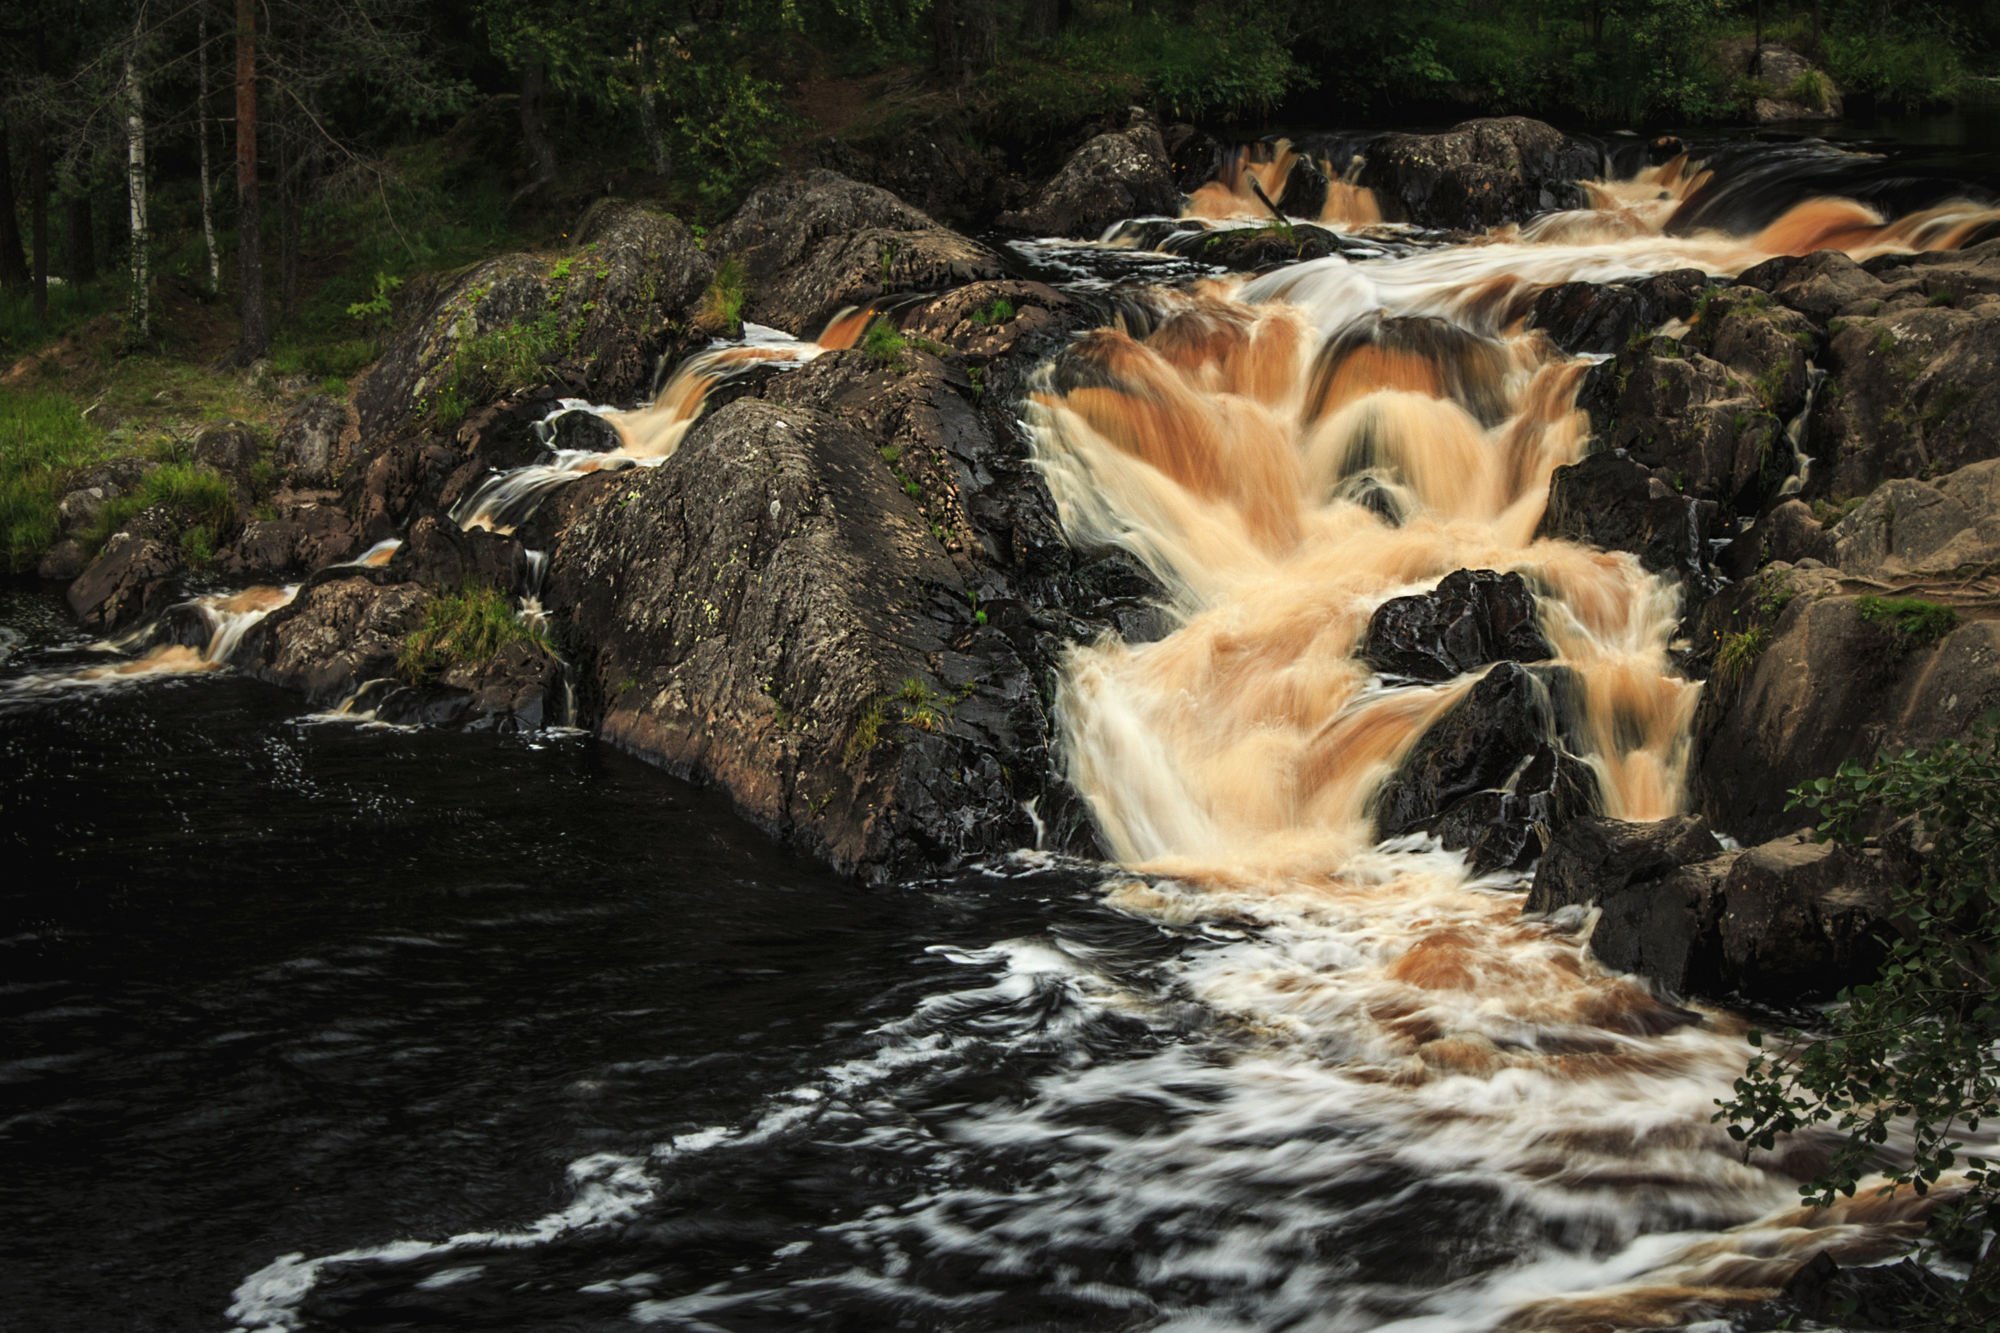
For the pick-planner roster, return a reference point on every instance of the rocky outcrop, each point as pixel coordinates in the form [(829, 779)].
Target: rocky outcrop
[(1908, 528), (1790, 87), (338, 633), (1595, 856), (595, 319), (1492, 776), (315, 441), (938, 169), (306, 532), (1474, 617), (134, 578), (1789, 921), (1478, 174), (1123, 174), (1827, 684), (1609, 500), (773, 613), (1594, 317), (814, 242)]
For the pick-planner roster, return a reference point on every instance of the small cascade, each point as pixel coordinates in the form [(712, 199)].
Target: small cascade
[(195, 636), (375, 557), (1795, 435), (648, 436), (1253, 174)]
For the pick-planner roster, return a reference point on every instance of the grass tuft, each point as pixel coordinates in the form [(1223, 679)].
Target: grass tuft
[(463, 628), (44, 440), (1916, 622)]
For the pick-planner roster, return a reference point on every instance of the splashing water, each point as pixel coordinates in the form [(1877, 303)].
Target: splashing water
[(201, 634), (649, 436)]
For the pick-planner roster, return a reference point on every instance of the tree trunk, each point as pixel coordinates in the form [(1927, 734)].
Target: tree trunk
[(139, 312), (255, 337), (13, 268), (649, 119), (964, 37), (38, 219), (534, 127), (207, 179), (80, 244)]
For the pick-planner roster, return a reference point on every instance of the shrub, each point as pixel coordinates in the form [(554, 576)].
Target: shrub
[(721, 306), (997, 311), (1916, 622), (1739, 652), (1810, 89), (484, 365), (464, 628), (1914, 1045)]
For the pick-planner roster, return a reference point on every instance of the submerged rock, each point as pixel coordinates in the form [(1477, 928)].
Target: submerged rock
[(1478, 174), (1123, 174), (1474, 617), (1492, 776)]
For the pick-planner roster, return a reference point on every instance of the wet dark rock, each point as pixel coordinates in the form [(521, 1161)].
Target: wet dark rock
[(1594, 856), (1901, 1295), (133, 578), (1610, 501), (1787, 533), (1829, 687), (402, 476), (1119, 175), (1786, 922), (336, 634), (303, 537), (1473, 617), (771, 613), (440, 555), (579, 429), (314, 441), (1596, 317), (1492, 775), (1478, 174), (1819, 285), (604, 313), (521, 688), (1765, 344), (968, 320), (1249, 248), (1194, 156)]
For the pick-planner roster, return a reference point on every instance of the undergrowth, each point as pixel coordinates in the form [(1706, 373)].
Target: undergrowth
[(463, 628), (44, 439), (1914, 621)]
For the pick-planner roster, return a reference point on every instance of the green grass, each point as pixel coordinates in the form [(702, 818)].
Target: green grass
[(920, 706), (1739, 652), (884, 345), (44, 440), (721, 305), (1916, 622), (1810, 89), (998, 311), (69, 307), (196, 498), (464, 628), (486, 365)]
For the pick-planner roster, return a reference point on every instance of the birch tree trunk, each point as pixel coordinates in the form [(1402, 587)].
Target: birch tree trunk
[(139, 316), (255, 338), (201, 131)]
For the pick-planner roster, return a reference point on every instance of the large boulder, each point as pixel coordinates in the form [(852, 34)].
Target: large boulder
[(1828, 684), (1790, 87), (1474, 617), (314, 441), (1608, 500), (771, 612), (1479, 174), (133, 578), (813, 242), (1785, 923), (594, 319), (1908, 528), (1605, 317), (1492, 776), (1119, 175), (305, 532), (337, 634), (1596, 855)]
